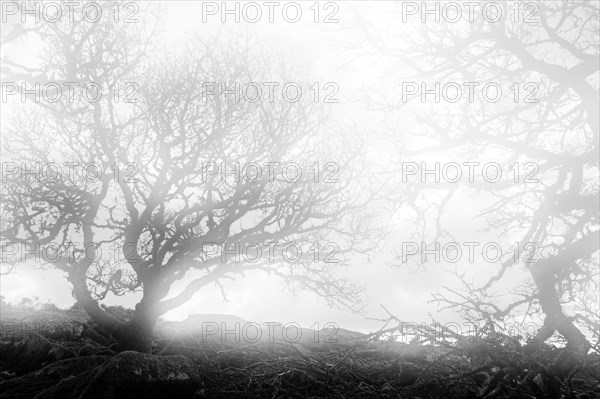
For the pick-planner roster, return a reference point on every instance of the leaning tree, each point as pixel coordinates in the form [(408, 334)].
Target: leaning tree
[(160, 208)]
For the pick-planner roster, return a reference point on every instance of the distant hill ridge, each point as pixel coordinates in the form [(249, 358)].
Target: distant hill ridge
[(223, 323), (212, 318)]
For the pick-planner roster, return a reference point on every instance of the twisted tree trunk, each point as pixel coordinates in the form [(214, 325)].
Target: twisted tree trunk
[(135, 334), (556, 320)]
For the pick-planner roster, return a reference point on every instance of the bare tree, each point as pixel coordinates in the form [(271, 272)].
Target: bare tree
[(552, 47), (145, 222)]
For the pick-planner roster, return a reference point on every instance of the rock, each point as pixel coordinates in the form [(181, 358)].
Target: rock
[(31, 384), (409, 374), (32, 353), (68, 367), (130, 374)]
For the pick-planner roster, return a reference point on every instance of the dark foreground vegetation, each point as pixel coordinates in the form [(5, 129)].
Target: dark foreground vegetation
[(51, 353)]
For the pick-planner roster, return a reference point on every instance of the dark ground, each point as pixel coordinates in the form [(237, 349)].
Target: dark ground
[(53, 353)]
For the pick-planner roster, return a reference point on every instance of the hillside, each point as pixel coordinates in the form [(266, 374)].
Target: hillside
[(51, 352)]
